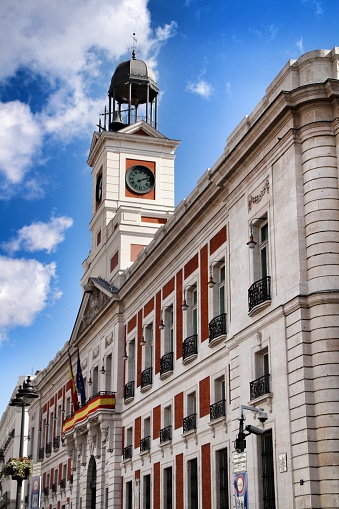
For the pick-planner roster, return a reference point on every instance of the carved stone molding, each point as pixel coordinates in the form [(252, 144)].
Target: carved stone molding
[(258, 197)]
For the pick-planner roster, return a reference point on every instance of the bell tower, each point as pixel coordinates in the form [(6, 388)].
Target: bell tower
[(132, 173)]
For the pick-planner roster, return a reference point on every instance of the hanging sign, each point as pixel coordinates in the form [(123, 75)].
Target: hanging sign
[(35, 491), (240, 490)]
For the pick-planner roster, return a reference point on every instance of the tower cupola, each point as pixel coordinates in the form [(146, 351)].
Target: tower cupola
[(132, 95)]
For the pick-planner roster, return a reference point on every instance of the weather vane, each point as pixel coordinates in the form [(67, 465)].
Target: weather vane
[(134, 47)]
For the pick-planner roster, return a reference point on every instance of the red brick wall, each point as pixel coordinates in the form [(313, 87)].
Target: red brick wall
[(218, 239), (178, 410), (156, 485), (206, 472), (132, 324), (168, 288), (179, 481), (204, 396), (149, 307), (137, 432), (60, 473), (137, 474), (191, 266), (178, 313), (204, 292), (69, 468), (157, 332), (156, 421)]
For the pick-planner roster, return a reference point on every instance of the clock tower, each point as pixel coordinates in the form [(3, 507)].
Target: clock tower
[(132, 174)]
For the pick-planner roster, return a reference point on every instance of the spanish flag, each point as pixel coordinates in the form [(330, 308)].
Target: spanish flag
[(72, 385)]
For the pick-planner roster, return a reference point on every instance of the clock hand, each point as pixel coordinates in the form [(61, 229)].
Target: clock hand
[(145, 178)]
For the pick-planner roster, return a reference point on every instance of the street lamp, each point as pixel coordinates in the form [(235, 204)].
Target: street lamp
[(23, 399)]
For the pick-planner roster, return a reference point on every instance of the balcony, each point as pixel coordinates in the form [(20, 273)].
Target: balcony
[(54, 487), (127, 453), (165, 434), (102, 403), (48, 448), (190, 348), (71, 479), (63, 484), (189, 423), (218, 410), (260, 387), (146, 378), (166, 365), (145, 444), (216, 329), (129, 391), (259, 293), (46, 491), (56, 443), (41, 453)]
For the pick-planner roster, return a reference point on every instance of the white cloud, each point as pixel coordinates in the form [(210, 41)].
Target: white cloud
[(26, 289), (20, 139), (64, 45), (200, 87), (299, 45), (228, 88), (40, 236)]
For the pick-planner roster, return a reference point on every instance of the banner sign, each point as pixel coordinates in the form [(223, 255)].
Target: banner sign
[(35, 492), (240, 490)]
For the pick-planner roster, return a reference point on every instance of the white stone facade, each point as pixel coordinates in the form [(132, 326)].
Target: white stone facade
[(264, 335)]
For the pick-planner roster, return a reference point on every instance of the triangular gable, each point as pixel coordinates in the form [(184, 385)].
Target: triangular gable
[(97, 293), (95, 138), (142, 128)]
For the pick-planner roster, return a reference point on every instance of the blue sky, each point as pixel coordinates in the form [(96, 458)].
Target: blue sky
[(214, 61)]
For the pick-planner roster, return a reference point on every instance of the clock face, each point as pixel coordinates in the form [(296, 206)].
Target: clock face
[(98, 189), (140, 179)]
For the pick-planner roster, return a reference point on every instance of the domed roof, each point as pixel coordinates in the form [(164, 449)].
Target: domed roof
[(133, 72)]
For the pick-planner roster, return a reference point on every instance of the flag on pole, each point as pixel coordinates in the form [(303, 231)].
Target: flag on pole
[(72, 385), (80, 382)]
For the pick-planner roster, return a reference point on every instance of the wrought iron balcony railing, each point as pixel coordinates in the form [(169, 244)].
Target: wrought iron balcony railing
[(49, 448), (54, 487), (260, 387), (56, 443), (129, 390), (145, 444), (63, 484), (127, 453), (259, 292), (190, 347), (146, 377), (71, 479), (165, 434), (46, 491), (217, 327), (41, 453), (166, 363), (218, 410), (189, 423)]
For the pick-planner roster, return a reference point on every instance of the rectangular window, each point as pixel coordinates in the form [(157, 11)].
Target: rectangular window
[(264, 250), (169, 330), (168, 488), (131, 361), (222, 479), (192, 484), (148, 348), (98, 237), (147, 492), (267, 465), (221, 290), (192, 311), (95, 380), (129, 495), (108, 373)]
